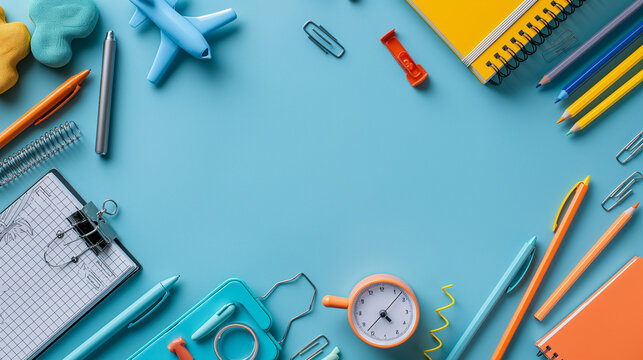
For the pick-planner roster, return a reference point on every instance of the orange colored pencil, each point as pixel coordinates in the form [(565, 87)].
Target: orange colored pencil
[(581, 189), (591, 255)]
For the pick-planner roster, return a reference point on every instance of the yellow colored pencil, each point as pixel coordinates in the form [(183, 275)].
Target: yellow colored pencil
[(609, 79), (609, 101)]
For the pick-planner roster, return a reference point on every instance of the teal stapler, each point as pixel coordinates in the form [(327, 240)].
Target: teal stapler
[(205, 330)]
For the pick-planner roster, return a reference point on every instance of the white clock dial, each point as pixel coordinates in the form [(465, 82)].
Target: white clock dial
[(384, 314)]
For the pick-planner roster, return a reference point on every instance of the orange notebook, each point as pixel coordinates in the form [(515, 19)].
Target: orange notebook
[(608, 325), (493, 37)]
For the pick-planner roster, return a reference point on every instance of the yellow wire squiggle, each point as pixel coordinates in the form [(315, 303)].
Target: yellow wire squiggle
[(426, 352)]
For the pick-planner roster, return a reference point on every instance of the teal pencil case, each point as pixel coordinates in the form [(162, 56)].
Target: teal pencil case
[(211, 328)]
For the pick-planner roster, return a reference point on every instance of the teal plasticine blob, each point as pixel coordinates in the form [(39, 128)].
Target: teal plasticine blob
[(58, 22)]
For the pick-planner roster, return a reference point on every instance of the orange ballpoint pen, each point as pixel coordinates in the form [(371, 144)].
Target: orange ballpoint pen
[(44, 108), (582, 265), (581, 190)]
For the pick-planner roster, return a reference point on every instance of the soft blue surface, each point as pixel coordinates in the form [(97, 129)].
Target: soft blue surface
[(273, 158)]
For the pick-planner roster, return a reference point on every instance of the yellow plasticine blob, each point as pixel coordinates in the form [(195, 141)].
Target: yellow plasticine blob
[(14, 46)]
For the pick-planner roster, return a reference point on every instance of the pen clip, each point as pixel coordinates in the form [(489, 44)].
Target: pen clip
[(523, 271), (149, 311), (60, 104), (562, 205)]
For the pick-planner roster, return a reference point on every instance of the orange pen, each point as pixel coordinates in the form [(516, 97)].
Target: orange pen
[(44, 108), (591, 255), (581, 189)]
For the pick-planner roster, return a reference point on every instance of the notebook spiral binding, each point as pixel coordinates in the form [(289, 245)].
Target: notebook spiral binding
[(530, 44), (553, 356), (38, 151)]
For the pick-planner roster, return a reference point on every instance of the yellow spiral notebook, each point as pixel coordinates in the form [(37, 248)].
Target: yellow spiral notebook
[(493, 37)]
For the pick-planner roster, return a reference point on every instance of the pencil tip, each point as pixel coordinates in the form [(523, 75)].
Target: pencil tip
[(539, 85), (557, 100), (569, 132), (586, 181), (543, 81), (636, 205), (560, 120)]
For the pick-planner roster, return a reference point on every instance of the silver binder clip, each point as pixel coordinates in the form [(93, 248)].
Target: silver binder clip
[(91, 227), (632, 148), (322, 38), (622, 191)]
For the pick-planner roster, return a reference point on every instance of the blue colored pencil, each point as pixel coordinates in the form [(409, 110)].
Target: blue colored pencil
[(600, 62)]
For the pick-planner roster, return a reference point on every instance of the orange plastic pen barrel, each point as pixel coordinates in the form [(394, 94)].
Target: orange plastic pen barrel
[(591, 255), (44, 108), (581, 190)]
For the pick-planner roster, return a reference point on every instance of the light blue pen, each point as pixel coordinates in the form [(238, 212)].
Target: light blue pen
[(131, 316), (512, 277)]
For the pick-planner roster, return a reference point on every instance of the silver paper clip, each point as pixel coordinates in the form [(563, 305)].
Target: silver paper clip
[(622, 191), (91, 227), (317, 34), (632, 148), (316, 346)]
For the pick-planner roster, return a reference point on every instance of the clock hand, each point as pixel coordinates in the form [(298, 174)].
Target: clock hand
[(378, 319), (393, 302), (383, 313)]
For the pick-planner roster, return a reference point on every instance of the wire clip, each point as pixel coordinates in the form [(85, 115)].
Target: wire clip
[(632, 148), (622, 191), (322, 38)]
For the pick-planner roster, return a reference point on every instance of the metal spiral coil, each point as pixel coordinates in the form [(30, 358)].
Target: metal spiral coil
[(38, 151), (529, 43)]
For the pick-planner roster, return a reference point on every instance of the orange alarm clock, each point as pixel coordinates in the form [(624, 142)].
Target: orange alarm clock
[(382, 310)]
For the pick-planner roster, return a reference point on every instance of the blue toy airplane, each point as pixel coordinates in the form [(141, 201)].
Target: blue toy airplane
[(177, 31)]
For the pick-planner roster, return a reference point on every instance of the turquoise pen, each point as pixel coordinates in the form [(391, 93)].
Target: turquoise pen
[(512, 277), (131, 316)]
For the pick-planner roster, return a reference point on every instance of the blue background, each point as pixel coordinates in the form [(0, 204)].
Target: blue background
[(273, 159)]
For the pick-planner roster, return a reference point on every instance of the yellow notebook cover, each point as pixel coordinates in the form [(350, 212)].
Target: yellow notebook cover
[(478, 30)]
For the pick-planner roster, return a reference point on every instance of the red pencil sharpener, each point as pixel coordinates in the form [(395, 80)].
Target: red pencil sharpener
[(415, 73)]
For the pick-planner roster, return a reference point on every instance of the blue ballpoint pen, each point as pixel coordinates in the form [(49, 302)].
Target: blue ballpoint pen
[(512, 277), (600, 62), (131, 316)]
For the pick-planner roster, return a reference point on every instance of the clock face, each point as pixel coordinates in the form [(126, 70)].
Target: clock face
[(384, 314)]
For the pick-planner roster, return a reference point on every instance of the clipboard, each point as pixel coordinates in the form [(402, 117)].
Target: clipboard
[(57, 296)]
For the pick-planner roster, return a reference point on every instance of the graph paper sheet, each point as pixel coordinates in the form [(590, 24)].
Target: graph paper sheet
[(38, 302)]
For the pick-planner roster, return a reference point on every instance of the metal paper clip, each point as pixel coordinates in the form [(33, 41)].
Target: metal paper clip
[(622, 191), (310, 307), (633, 148), (92, 228), (317, 34), (313, 345)]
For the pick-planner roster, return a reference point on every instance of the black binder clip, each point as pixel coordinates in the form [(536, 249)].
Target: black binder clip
[(91, 227)]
